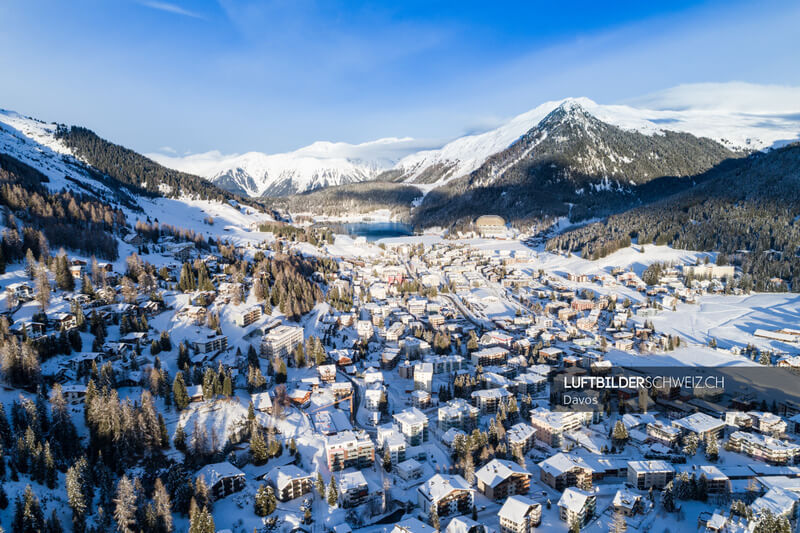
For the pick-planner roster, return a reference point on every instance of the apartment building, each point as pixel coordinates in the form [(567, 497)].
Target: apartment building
[(349, 449), (488, 400), (423, 376), (765, 448), (520, 514), (562, 470), (520, 438), (650, 474), (281, 341), (390, 439), (576, 505), (499, 479), (289, 482), (550, 426), (247, 316), (702, 425), (353, 489), (457, 413), (496, 355), (451, 495), (659, 432), (413, 424), (215, 343)]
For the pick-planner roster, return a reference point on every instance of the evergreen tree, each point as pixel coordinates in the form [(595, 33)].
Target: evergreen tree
[(258, 447), (42, 287), (320, 485), (179, 439), (162, 507), (333, 493), (28, 515), (179, 394), (125, 506), (265, 500), (434, 517), (668, 498), (77, 485), (201, 521)]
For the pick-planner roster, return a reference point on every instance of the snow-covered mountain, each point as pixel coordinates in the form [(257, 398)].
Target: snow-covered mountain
[(740, 127), (736, 130), (321, 164)]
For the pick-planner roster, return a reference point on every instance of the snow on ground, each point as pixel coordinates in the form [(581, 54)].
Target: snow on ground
[(732, 320)]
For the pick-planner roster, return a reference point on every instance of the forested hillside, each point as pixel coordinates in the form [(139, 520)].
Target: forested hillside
[(353, 198), (142, 175), (572, 164), (749, 212), (37, 219)]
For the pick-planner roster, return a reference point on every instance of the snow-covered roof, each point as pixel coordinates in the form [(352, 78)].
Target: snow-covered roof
[(626, 498), (560, 463), (778, 501), (351, 480), (410, 417), (261, 401), (216, 472), (516, 507), (574, 499), (698, 423), (441, 485), (412, 525), (283, 475), (463, 524), (642, 467), (498, 470)]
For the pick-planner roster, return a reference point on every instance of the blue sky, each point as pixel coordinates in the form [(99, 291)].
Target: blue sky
[(273, 76)]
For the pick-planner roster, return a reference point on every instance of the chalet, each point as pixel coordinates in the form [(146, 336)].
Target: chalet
[(195, 313), (21, 291), (341, 357), (222, 479), (195, 393), (262, 402), (74, 393), (451, 495), (327, 373), (289, 482), (520, 514), (627, 502), (563, 470), (32, 330), (576, 506), (64, 321), (300, 396), (413, 525), (499, 479)]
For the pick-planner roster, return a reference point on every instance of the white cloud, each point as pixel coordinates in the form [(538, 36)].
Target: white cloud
[(733, 97), (170, 8)]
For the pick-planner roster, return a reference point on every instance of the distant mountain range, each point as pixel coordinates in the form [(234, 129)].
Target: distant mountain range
[(325, 164), (571, 158)]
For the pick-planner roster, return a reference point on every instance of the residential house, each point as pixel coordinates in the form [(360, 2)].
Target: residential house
[(520, 514), (499, 479), (289, 482), (222, 479), (451, 495), (576, 506)]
